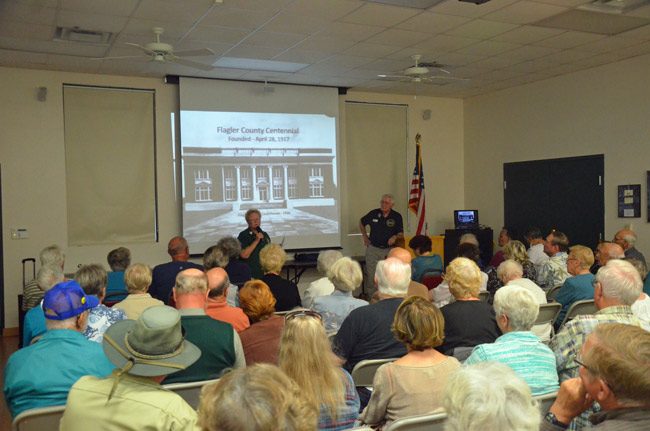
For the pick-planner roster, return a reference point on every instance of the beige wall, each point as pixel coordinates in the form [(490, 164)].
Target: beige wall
[(33, 168), (605, 110)]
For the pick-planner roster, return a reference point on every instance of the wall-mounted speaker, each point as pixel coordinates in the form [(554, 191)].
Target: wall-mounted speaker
[(426, 114), (41, 94)]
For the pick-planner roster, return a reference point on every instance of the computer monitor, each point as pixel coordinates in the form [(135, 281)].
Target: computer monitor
[(466, 219)]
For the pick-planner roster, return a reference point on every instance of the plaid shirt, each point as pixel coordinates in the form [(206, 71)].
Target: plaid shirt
[(568, 342), (347, 414)]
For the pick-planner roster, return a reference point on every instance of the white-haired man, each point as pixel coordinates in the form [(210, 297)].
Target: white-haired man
[(516, 311), (366, 333), (323, 286), (616, 287), (626, 238), (32, 292)]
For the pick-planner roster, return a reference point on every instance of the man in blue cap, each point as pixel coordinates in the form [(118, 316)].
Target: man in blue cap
[(41, 375)]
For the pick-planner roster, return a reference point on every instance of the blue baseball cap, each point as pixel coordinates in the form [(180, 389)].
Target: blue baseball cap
[(67, 299)]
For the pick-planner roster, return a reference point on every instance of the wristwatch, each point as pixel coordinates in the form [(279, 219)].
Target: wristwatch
[(553, 420)]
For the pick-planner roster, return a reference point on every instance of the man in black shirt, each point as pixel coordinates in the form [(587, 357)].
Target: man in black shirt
[(386, 227)]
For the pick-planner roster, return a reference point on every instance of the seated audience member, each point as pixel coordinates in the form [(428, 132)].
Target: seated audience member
[(145, 351), (366, 333), (415, 288), (505, 236), (41, 375), (580, 285), (441, 294), (626, 238), (118, 260), (489, 396), (346, 276), (164, 275), (617, 286), (215, 257), (641, 307), (92, 279), (414, 383), (516, 251), (614, 372), (554, 271), (220, 345), (238, 272), (261, 341), (306, 356), (138, 279), (32, 292), (272, 258), (536, 250), (511, 273), (323, 286), (257, 398), (217, 305), (605, 251), (34, 321), (424, 260), (516, 310), (468, 321)]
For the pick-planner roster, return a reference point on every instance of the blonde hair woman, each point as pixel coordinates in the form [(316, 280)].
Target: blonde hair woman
[(272, 258), (414, 383), (306, 357), (468, 321)]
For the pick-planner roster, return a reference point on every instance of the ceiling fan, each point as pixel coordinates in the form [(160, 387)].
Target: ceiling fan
[(163, 52), (422, 72)]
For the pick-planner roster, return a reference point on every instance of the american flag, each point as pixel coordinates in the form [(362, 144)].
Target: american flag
[(417, 196)]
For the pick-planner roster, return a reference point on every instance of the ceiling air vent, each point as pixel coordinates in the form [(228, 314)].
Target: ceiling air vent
[(80, 35)]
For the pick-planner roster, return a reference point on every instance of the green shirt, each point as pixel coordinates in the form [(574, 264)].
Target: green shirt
[(246, 238)]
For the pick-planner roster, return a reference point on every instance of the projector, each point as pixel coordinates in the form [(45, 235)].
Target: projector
[(475, 1)]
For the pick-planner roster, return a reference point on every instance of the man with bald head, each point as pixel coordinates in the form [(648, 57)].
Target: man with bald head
[(415, 288), (217, 306), (219, 343), (164, 275), (626, 238), (605, 251)]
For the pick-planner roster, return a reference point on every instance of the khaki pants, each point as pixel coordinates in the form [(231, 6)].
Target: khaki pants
[(373, 255)]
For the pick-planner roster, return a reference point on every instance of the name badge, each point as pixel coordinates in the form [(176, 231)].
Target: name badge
[(375, 220), (390, 222)]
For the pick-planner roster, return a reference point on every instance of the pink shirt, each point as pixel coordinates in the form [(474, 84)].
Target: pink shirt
[(218, 309)]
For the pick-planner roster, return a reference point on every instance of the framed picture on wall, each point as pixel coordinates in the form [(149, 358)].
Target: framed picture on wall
[(629, 201)]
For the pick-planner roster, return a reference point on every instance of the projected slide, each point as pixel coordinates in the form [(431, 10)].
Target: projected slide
[(282, 164)]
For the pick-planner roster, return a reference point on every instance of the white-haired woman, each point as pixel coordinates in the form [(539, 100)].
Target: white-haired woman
[(489, 396), (346, 276), (516, 310), (468, 320), (322, 286)]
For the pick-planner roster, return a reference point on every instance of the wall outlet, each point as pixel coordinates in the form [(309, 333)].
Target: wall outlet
[(19, 233)]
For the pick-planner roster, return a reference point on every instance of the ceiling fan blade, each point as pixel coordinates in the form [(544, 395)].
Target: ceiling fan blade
[(443, 70), (394, 76), (190, 63), (140, 47), (117, 57), (445, 78), (194, 52)]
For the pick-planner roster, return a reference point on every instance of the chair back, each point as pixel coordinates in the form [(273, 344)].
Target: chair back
[(586, 306), (484, 295), (545, 402), (461, 353), (548, 313), (39, 419), (190, 391), (428, 422), (552, 293), (364, 372), (431, 281)]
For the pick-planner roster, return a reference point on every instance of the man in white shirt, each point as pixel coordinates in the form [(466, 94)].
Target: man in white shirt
[(536, 251)]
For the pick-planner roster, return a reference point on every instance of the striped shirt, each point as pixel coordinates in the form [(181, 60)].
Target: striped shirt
[(528, 357)]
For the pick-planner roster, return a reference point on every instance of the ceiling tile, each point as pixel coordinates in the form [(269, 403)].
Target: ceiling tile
[(287, 23), (237, 18), (432, 22), (487, 48), (641, 33), (524, 12), (354, 32), (454, 59), (29, 13), (455, 7), (217, 34), (570, 39), (253, 51), (186, 11), (528, 53), (380, 14), (275, 40), (481, 29), (607, 44), (567, 56), (91, 21), (106, 7), (325, 44), (325, 9), (527, 34), (492, 63), (143, 27), (565, 3), (22, 30), (371, 50), (444, 43), (397, 37), (302, 56), (387, 66)]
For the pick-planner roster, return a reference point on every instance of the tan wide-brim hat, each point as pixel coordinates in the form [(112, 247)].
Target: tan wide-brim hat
[(154, 343)]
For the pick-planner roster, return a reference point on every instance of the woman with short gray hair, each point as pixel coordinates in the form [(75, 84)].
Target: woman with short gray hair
[(489, 396), (238, 272), (346, 276), (118, 259), (322, 286), (516, 311)]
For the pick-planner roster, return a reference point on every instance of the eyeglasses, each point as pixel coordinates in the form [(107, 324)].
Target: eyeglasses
[(302, 313), (578, 360)]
